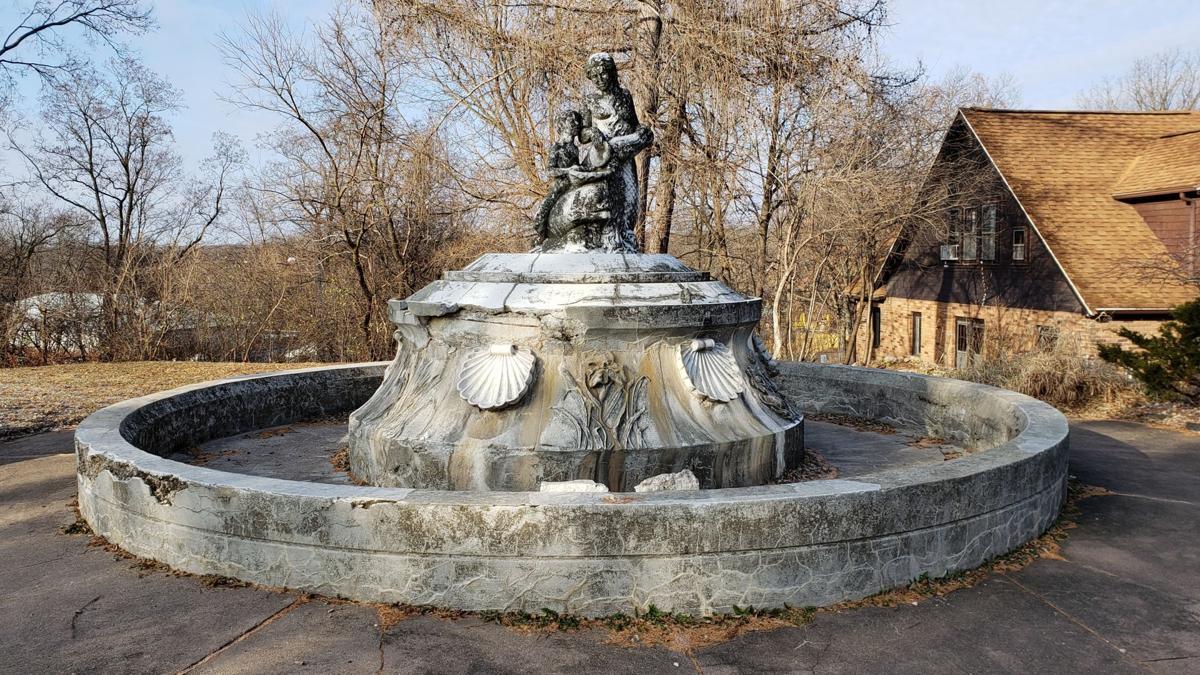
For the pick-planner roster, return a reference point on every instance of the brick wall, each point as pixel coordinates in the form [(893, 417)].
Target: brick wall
[(1006, 329)]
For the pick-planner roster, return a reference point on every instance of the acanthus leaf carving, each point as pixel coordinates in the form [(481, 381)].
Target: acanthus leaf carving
[(761, 371)]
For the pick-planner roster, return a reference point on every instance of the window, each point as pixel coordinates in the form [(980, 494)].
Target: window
[(987, 233), (1018, 244), (949, 250), (970, 234), (968, 341), (875, 327), (1047, 338), (915, 348)]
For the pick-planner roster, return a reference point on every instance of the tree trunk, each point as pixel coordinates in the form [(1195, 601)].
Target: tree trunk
[(668, 175), (646, 58)]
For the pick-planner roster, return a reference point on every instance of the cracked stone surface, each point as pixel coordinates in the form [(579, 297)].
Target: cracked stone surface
[(1124, 598), (702, 551)]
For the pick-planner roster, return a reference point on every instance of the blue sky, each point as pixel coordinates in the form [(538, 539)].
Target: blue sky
[(1053, 49)]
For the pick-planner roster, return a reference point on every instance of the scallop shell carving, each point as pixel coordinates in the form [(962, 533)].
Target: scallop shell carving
[(496, 376), (709, 367)]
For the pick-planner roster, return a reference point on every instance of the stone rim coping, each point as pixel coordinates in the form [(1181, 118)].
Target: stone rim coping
[(575, 277), (886, 502)]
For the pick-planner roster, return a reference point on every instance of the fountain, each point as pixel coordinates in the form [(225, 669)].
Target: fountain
[(584, 428), (585, 359)]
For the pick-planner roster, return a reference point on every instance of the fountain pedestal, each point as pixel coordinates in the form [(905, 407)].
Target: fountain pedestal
[(615, 367)]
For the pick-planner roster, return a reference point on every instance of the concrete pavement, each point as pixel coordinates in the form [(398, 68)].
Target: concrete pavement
[(1125, 598)]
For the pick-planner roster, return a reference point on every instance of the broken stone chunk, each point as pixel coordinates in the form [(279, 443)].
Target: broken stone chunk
[(682, 480), (581, 485)]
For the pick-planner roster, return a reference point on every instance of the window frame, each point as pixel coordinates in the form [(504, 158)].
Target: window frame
[(969, 333), (915, 328), (987, 239), (953, 230), (1024, 245), (970, 234)]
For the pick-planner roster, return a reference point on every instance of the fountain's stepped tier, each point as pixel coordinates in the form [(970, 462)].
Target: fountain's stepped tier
[(527, 368), (608, 290)]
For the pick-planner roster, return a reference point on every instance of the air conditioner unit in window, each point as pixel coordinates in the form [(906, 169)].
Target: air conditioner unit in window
[(950, 251)]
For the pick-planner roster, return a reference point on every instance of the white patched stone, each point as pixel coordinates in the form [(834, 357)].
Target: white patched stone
[(682, 480), (581, 485)]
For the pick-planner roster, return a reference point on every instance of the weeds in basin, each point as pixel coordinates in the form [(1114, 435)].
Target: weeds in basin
[(814, 466), (927, 442), (860, 423), (340, 461), (198, 456), (270, 433)]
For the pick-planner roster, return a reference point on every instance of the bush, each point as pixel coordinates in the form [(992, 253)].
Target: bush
[(1061, 377), (1167, 363)]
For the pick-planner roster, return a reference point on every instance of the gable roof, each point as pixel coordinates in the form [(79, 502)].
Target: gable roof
[(1063, 168), (1168, 164)]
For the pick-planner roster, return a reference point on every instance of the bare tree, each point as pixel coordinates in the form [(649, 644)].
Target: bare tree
[(1168, 80), (368, 188), (28, 230), (106, 151), (38, 42)]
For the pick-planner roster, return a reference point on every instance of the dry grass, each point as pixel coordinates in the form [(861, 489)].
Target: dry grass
[(49, 397), (1060, 377), (1087, 389)]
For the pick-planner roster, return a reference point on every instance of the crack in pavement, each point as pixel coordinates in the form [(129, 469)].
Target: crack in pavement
[(302, 600), (1075, 620), (382, 633), (1131, 582), (1166, 500), (78, 612), (1173, 658)]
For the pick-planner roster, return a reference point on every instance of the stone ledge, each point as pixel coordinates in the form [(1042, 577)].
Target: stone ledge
[(802, 544)]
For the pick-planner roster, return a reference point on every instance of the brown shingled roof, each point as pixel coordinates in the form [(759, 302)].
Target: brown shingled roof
[(1062, 167), (1168, 164)]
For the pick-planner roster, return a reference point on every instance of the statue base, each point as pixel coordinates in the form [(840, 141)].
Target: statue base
[(528, 368)]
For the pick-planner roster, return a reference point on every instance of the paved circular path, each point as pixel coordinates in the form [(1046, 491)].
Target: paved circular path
[(1126, 598)]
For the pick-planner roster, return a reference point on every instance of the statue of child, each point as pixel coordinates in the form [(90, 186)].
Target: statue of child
[(563, 156)]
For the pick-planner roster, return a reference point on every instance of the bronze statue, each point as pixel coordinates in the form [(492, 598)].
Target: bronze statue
[(592, 204)]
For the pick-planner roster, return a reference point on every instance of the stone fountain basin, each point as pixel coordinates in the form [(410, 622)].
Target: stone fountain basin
[(801, 544)]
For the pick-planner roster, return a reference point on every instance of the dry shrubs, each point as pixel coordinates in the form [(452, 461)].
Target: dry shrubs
[(1061, 377)]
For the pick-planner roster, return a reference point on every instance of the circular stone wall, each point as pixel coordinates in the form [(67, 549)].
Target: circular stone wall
[(803, 544)]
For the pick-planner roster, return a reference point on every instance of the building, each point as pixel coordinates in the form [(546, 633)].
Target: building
[(1073, 224)]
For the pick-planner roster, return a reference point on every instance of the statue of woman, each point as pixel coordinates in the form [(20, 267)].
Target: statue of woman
[(593, 204), (610, 111)]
